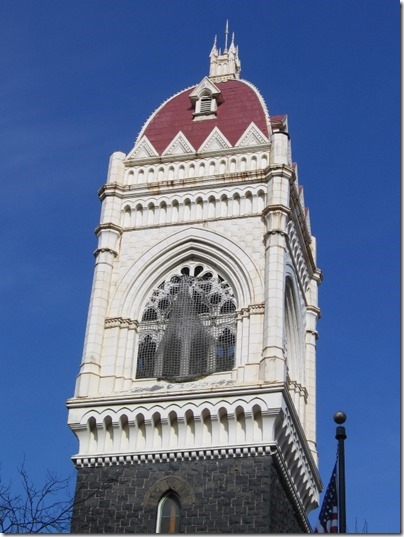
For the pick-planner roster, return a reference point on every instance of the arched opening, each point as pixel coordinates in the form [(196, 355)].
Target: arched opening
[(93, 434), (199, 209), (146, 352), (223, 426), (109, 434), (124, 428), (168, 513), (187, 210), (188, 327), (294, 345), (127, 213)]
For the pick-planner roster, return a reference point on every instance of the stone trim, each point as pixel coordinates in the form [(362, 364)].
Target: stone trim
[(120, 322), (105, 251), (298, 388), (175, 483), (200, 454)]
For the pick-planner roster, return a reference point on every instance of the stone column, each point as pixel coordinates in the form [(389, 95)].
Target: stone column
[(276, 215), (312, 316), (88, 379)]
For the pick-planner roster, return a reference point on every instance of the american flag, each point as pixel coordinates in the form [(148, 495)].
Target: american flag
[(328, 518)]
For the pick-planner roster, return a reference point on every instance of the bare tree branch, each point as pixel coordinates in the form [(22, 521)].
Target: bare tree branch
[(45, 509)]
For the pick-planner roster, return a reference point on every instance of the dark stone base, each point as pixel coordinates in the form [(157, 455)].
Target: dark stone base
[(234, 495)]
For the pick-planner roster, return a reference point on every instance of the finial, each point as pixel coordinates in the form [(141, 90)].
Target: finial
[(340, 418), (224, 66)]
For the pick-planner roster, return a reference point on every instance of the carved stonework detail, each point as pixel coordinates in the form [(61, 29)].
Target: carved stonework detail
[(297, 255), (144, 149), (179, 146), (216, 141), (251, 137), (113, 322)]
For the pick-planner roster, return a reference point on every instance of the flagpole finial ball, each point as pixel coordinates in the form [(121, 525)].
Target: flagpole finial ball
[(340, 417)]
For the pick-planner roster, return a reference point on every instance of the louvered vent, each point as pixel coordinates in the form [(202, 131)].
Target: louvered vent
[(206, 105)]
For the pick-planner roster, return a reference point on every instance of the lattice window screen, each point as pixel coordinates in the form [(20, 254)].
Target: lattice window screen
[(188, 327)]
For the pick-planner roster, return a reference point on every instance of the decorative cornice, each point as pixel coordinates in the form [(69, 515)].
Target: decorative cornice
[(167, 159), (161, 391), (188, 185), (281, 428), (171, 456)]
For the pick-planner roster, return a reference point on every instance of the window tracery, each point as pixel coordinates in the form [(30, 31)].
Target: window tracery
[(188, 327)]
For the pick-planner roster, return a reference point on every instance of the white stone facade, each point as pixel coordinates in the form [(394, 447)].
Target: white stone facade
[(239, 210)]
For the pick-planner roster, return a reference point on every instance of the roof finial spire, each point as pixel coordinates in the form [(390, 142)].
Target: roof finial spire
[(224, 66)]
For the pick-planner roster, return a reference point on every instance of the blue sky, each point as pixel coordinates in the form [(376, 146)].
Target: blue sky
[(80, 78)]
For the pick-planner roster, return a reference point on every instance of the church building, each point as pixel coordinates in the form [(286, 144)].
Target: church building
[(195, 403)]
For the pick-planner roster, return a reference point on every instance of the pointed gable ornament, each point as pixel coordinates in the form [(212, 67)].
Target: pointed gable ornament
[(143, 149), (216, 141), (252, 136), (179, 146)]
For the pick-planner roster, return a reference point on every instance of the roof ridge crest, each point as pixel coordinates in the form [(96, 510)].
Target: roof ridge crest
[(145, 124), (261, 98)]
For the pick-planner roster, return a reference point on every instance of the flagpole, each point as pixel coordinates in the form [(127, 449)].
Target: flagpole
[(340, 435)]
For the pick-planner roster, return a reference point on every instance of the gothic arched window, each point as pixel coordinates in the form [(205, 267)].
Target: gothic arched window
[(294, 342), (188, 327), (168, 514)]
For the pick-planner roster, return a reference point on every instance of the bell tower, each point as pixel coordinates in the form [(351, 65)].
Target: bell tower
[(195, 402)]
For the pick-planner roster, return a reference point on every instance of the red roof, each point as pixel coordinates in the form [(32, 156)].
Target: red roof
[(241, 105)]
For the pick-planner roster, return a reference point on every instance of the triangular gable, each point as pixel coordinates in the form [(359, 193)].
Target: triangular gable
[(179, 146), (205, 84), (252, 136), (143, 149), (216, 141)]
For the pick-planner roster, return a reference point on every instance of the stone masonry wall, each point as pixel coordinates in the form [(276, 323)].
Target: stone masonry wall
[(240, 495)]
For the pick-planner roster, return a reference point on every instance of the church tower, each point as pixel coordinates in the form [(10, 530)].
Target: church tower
[(195, 403)]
